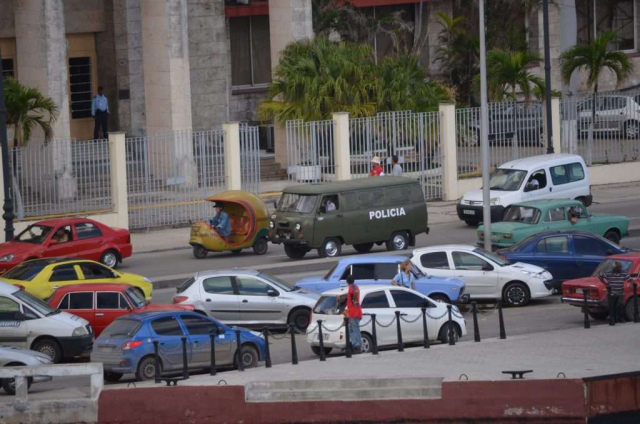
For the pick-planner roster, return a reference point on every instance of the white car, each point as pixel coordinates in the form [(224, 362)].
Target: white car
[(246, 297), (13, 357), (485, 274), (383, 301)]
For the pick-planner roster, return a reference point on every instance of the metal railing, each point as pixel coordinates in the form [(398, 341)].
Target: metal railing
[(250, 158), (310, 151), (61, 177)]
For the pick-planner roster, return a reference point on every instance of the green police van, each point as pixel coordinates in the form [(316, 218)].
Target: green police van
[(360, 212)]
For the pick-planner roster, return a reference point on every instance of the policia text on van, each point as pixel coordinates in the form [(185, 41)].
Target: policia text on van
[(360, 212)]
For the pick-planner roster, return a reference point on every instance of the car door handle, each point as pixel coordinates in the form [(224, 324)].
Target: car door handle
[(99, 315), (207, 300), (550, 188), (245, 301)]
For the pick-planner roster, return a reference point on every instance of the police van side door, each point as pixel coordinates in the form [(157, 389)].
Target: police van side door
[(367, 223), (328, 223)]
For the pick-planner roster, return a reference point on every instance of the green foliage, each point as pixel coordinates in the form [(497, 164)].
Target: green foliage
[(508, 73), (28, 108)]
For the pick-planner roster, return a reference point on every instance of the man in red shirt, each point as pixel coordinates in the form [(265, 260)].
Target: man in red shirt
[(354, 313), (376, 168)]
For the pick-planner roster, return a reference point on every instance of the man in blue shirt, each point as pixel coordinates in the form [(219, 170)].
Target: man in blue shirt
[(221, 222), (405, 277), (100, 113)]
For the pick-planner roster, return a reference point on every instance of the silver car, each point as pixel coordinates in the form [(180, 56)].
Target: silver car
[(247, 297), (614, 114), (14, 356)]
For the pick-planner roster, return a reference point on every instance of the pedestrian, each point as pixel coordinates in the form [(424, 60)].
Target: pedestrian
[(616, 279), (396, 170), (354, 313), (376, 168), (405, 277), (221, 222), (100, 113)]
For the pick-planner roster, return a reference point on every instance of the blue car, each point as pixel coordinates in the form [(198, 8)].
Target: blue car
[(381, 270), (126, 345), (567, 255)]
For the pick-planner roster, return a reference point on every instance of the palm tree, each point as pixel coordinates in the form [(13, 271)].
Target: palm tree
[(594, 57), (28, 108)]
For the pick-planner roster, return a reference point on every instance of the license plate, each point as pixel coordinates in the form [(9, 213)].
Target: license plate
[(579, 291), (468, 212), (107, 348), (325, 336), (495, 238)]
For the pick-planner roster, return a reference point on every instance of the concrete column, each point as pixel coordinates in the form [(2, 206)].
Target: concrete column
[(449, 167), (555, 123), (289, 20), (342, 146), (118, 163), (232, 170)]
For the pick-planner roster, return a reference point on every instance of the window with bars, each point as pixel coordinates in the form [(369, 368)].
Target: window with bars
[(250, 51), (80, 87), (596, 16), (8, 70)]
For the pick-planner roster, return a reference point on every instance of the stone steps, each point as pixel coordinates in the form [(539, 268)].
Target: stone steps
[(358, 389), (270, 170)]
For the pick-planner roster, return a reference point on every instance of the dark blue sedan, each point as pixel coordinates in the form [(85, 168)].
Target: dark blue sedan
[(565, 254)]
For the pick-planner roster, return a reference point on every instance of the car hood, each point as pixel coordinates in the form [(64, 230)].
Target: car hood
[(302, 295), (521, 266), (590, 282), (506, 227), (476, 195), (23, 355), (18, 248), (309, 281), (167, 307), (68, 319)]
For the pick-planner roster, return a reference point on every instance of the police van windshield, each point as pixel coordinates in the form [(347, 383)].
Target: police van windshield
[(300, 203)]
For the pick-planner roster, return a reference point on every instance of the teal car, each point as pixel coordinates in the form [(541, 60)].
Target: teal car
[(522, 220)]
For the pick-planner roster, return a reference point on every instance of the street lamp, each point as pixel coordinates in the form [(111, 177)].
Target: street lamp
[(484, 139), (8, 215), (547, 76)]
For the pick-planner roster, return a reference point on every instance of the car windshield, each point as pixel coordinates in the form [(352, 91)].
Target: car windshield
[(35, 303), (607, 266), (184, 286), (135, 298), (330, 305), (506, 179), (492, 257), (122, 328), (416, 271), (328, 274), (300, 203), (24, 272), (35, 233), (522, 214), (277, 282)]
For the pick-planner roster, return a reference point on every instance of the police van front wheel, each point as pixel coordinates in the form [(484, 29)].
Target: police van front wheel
[(398, 241), (330, 248)]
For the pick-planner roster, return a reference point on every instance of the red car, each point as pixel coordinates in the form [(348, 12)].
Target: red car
[(573, 290), (100, 304), (67, 237)]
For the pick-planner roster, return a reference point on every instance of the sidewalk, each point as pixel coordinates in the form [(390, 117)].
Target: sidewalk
[(439, 212)]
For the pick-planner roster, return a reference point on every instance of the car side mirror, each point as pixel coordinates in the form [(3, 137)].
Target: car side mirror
[(19, 316), (529, 187), (275, 204), (272, 293), (220, 331), (487, 268), (323, 209)]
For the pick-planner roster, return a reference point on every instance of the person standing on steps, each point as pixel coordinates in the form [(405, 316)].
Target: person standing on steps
[(396, 169), (100, 113)]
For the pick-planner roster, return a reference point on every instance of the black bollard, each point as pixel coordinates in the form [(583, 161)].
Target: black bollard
[(636, 313), (239, 360), (267, 353), (321, 340), (399, 328), (212, 336), (347, 337), (185, 365), (450, 335), (476, 328), (612, 310), (425, 330), (157, 361), (374, 348), (585, 307), (294, 349), (503, 333)]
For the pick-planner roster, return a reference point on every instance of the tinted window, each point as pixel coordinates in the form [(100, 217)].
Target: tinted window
[(252, 287), (95, 271), (370, 198), (576, 172), (387, 271), (522, 214), (590, 246), (405, 299), (110, 300), (29, 313), (559, 175), (375, 300), (122, 328), (218, 285), (198, 325), (363, 271), (64, 304), (24, 272), (398, 194), (186, 285), (166, 327), (437, 260), (64, 273), (8, 305), (467, 261), (541, 177), (85, 230), (558, 244), (81, 300)]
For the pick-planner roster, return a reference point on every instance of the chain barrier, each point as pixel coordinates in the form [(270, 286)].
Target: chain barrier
[(311, 330), (332, 330), (388, 325), (410, 321), (283, 336), (432, 317), (456, 314), (366, 323)]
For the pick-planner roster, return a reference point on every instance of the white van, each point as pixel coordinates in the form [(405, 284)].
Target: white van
[(557, 176), (29, 323)]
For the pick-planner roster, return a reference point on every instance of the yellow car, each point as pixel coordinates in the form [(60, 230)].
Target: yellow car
[(41, 277)]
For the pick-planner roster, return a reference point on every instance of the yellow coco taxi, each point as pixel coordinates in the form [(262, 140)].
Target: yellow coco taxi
[(41, 277)]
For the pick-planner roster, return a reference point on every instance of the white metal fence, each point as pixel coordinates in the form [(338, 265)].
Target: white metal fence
[(61, 177), (310, 151), (250, 158), (616, 127)]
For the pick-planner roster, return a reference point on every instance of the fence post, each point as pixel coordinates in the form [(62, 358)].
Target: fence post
[(341, 146), (118, 164), (232, 169), (556, 130), (449, 165)]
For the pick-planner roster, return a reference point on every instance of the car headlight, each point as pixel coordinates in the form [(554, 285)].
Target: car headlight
[(80, 331), (507, 236), (494, 201), (272, 225), (6, 258), (146, 279), (298, 227)]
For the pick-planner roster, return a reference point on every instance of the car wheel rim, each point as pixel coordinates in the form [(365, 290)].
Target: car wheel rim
[(149, 371), (331, 248), (398, 242), (247, 359), (632, 131), (49, 351), (365, 347), (110, 260), (302, 322), (516, 295)]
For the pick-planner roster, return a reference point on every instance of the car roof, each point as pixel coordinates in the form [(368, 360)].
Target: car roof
[(54, 222), (6, 288), (50, 261), (574, 232), (365, 259), (232, 271), (93, 287), (446, 247), (550, 203), (145, 316), (533, 161), (349, 185), (364, 289), (630, 256)]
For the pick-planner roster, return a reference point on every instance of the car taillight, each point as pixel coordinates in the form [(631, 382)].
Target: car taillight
[(179, 299), (20, 286), (131, 345)]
